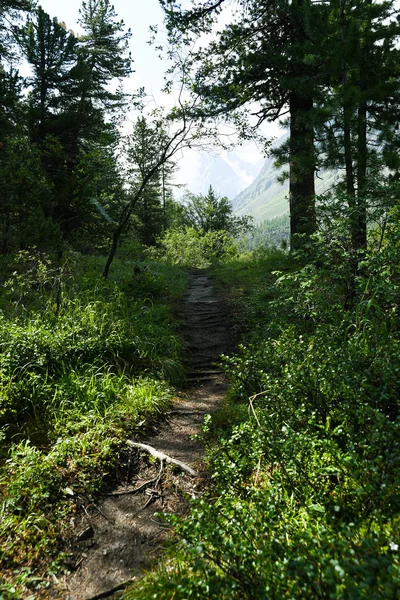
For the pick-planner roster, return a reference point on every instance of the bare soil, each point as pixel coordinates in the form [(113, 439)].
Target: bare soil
[(121, 536)]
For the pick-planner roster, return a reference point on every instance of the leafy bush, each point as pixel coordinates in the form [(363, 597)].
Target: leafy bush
[(304, 499), (90, 417), (298, 510), (188, 246)]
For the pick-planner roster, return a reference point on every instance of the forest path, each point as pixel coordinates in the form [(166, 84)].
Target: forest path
[(120, 537)]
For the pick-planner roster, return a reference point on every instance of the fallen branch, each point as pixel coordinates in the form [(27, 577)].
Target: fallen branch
[(185, 412), (163, 457)]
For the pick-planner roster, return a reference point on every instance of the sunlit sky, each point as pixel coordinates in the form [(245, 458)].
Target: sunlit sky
[(139, 15)]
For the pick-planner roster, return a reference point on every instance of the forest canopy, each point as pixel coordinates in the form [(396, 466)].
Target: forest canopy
[(299, 489)]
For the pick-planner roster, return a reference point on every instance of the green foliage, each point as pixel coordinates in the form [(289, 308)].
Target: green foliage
[(293, 515), (70, 117), (271, 233), (304, 498), (205, 232), (250, 283), (143, 150), (88, 418), (51, 52), (104, 51), (211, 213), (190, 247), (84, 363), (27, 197)]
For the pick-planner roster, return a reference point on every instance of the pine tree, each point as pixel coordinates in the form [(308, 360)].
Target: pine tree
[(51, 52), (167, 138), (143, 153), (267, 58), (104, 55), (10, 103), (328, 65), (361, 107), (213, 213), (10, 12), (72, 114), (25, 197), (10, 82)]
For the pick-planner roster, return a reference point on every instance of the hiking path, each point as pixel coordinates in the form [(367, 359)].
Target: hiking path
[(120, 536)]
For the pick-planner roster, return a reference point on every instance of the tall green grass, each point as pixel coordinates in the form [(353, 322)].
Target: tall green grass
[(78, 374)]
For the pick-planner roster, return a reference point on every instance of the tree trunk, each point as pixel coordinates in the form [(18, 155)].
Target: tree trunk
[(124, 218), (360, 235), (163, 198), (113, 249), (360, 231), (126, 213), (348, 154), (356, 199), (302, 170)]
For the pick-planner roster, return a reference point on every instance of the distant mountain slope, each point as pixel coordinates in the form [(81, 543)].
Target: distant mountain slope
[(265, 198), (227, 172)]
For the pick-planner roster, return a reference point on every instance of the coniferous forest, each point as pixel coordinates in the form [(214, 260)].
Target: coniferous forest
[(301, 498)]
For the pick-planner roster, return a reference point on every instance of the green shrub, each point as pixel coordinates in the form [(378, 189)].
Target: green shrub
[(304, 498), (190, 247), (87, 427)]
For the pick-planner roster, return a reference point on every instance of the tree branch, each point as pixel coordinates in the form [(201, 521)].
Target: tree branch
[(163, 457)]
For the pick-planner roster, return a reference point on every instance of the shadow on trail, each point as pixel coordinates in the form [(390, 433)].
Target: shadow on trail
[(125, 536), (206, 331)]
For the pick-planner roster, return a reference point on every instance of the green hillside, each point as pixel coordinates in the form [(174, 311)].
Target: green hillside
[(266, 198)]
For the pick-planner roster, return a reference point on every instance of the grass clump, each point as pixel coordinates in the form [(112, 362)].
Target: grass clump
[(85, 447), (79, 372)]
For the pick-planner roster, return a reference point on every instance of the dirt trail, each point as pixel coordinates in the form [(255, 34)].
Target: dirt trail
[(121, 536)]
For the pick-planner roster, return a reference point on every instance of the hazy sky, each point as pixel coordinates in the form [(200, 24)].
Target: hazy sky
[(149, 70)]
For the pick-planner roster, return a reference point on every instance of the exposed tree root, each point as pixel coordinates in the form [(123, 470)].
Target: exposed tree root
[(111, 592), (140, 488), (185, 413)]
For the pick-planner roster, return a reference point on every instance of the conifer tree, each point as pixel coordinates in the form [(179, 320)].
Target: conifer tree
[(103, 50), (167, 139), (213, 213), (10, 103), (320, 63), (51, 52), (267, 59), (143, 152), (25, 195), (10, 12), (361, 107), (10, 82), (72, 112)]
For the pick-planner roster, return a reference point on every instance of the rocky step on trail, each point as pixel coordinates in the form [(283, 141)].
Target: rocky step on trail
[(206, 332), (120, 536)]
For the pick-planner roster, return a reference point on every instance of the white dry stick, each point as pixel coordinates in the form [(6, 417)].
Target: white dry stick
[(163, 457)]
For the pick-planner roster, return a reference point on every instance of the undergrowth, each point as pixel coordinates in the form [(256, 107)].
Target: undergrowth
[(84, 363), (305, 456)]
